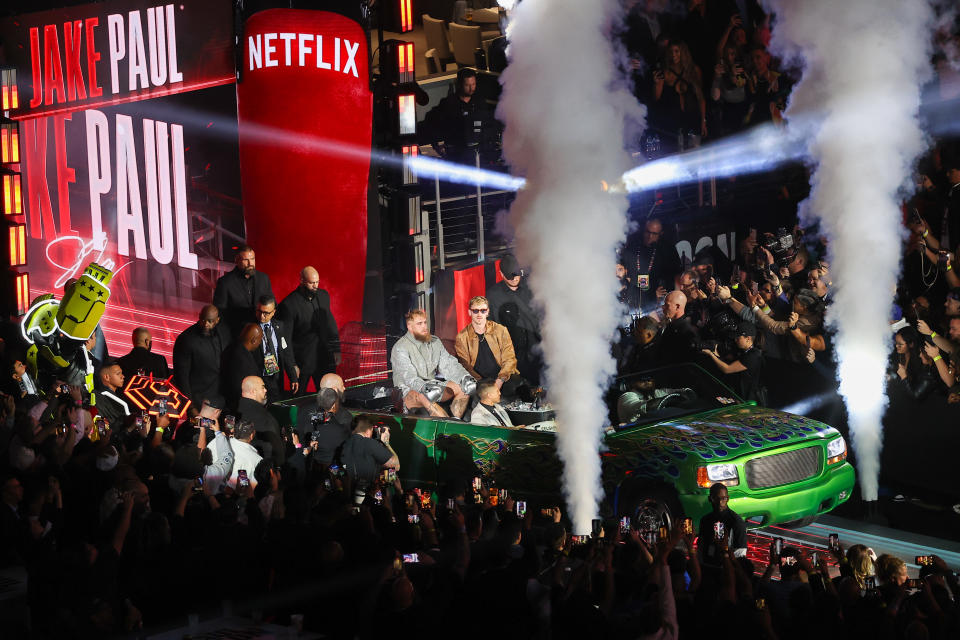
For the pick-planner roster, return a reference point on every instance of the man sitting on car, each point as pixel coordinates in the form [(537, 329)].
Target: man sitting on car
[(425, 373)]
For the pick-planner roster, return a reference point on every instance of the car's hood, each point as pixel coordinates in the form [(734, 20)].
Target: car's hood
[(709, 437)]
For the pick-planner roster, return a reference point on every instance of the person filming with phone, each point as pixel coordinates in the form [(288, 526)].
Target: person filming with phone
[(245, 456), (721, 529), (366, 453)]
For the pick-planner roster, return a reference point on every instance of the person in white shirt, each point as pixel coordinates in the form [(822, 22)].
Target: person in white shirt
[(245, 455)]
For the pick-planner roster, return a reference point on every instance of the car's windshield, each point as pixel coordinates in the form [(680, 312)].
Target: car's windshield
[(667, 392)]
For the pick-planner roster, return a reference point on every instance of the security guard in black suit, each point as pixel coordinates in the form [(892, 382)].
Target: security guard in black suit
[(237, 291), (276, 353)]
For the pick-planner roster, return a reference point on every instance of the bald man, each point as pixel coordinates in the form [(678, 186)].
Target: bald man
[(335, 382), (252, 409), (312, 329), (241, 361), (680, 339), (197, 354), (142, 359)]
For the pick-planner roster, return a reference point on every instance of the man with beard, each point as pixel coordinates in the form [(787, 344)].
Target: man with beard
[(237, 291), (425, 373), (196, 357), (312, 329), (511, 304)]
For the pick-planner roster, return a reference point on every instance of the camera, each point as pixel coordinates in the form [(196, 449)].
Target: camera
[(923, 561), (317, 418), (521, 508), (625, 525), (914, 583), (688, 526), (242, 480), (781, 245), (834, 541)]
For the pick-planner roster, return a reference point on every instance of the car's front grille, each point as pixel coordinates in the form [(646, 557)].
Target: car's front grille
[(783, 468)]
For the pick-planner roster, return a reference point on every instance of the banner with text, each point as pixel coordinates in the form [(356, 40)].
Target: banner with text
[(129, 154)]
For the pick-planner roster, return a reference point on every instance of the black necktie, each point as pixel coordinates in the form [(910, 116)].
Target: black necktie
[(268, 338)]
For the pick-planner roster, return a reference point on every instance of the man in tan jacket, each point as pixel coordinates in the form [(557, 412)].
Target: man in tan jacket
[(485, 349)]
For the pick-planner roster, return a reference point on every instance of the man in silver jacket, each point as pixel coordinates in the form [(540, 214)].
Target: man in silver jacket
[(426, 373)]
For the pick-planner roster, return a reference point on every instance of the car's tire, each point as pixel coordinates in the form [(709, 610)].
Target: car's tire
[(796, 524), (649, 507)]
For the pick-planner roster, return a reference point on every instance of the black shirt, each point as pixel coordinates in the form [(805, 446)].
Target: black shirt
[(486, 365), (364, 457), (748, 382), (735, 531), (330, 435)]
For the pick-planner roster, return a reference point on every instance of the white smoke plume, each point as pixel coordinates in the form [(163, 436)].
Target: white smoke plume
[(864, 63), (564, 106)]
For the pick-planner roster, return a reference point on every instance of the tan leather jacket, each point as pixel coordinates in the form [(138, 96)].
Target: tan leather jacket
[(501, 346)]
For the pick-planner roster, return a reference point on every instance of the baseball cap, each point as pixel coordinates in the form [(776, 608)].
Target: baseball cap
[(510, 267), (747, 329)]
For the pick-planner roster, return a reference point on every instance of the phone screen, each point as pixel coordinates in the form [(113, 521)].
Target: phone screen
[(411, 557)]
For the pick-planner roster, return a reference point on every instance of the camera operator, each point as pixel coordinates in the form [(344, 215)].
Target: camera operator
[(366, 453), (748, 365), (324, 427)]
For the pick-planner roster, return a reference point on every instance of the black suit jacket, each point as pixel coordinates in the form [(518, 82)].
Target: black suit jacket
[(196, 361), (312, 329), (238, 363), (235, 304), (108, 406), (679, 342), (256, 413), (139, 358), (285, 355)]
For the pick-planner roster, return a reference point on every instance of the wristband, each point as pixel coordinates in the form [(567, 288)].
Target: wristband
[(926, 232), (949, 267), (159, 429), (937, 358), (298, 446), (933, 334), (735, 286), (766, 309)]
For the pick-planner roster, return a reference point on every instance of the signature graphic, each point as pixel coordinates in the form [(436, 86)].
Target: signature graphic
[(86, 251)]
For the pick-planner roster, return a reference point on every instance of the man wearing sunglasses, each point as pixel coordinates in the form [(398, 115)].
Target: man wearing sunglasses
[(426, 374), (485, 349)]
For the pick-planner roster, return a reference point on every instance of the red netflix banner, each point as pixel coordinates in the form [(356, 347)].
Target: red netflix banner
[(119, 51), (305, 112)]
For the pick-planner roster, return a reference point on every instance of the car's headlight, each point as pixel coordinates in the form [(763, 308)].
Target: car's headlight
[(712, 473), (836, 450)]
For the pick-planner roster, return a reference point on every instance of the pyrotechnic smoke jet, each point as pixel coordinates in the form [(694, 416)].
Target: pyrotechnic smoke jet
[(564, 107), (864, 63)]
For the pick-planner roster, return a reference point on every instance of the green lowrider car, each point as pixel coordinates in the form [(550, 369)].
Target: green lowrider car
[(659, 464)]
